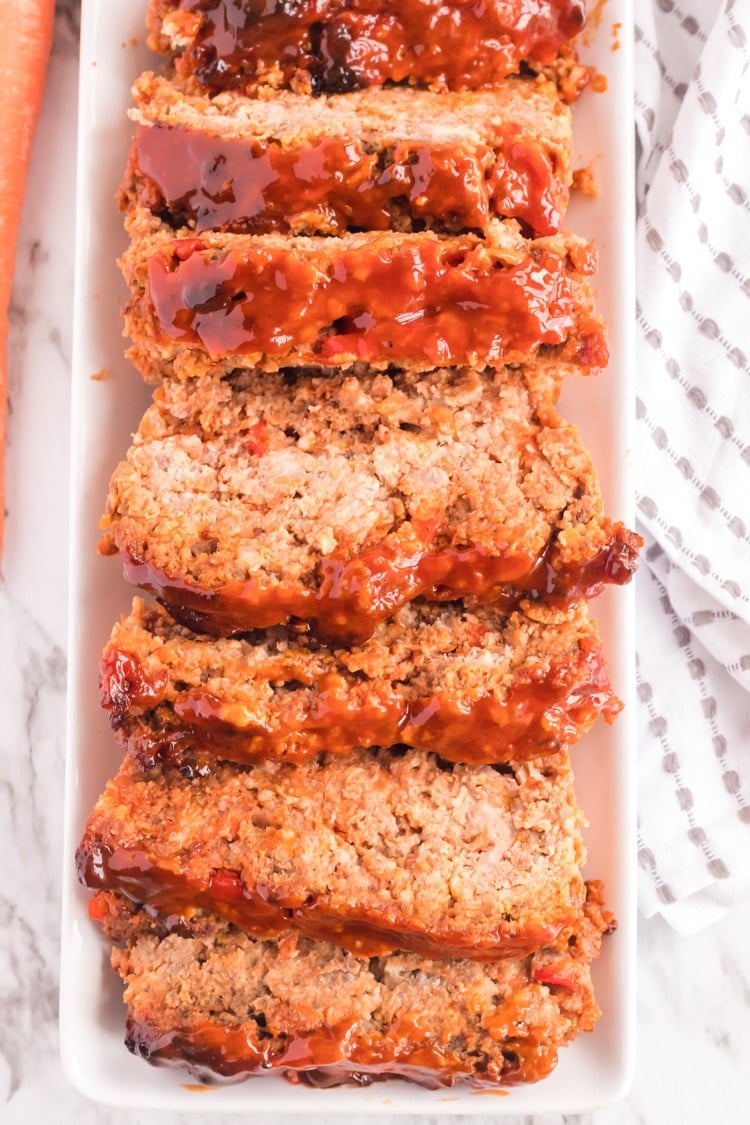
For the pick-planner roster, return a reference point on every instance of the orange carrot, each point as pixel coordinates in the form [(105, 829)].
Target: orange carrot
[(25, 43)]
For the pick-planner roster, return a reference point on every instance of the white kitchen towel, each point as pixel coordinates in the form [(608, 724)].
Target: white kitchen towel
[(693, 456)]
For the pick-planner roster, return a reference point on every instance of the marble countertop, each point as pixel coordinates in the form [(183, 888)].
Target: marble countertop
[(694, 993)]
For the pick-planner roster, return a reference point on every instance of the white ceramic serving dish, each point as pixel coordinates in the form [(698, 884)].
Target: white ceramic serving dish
[(597, 1068)]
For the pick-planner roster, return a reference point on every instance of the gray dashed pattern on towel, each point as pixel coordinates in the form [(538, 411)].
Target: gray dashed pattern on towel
[(693, 455)]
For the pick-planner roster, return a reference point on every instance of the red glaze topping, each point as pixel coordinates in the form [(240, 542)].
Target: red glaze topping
[(536, 716), (554, 977), (339, 45), (168, 891), (330, 185), (355, 594), (331, 1056), (124, 682), (424, 300)]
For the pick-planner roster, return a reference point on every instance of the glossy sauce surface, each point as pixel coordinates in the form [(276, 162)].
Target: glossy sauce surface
[(332, 185), (421, 300), (536, 716), (355, 594), (168, 891), (125, 683), (331, 1056), (345, 44)]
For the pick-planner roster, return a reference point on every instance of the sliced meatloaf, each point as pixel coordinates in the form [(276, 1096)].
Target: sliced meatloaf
[(251, 501), (471, 685), (376, 851), (401, 159), (339, 45), (225, 1004), (219, 301)]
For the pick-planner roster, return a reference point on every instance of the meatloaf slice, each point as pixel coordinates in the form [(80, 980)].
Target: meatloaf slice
[(224, 1004), (380, 850), (339, 45), (219, 301), (252, 500), (471, 685), (398, 159)]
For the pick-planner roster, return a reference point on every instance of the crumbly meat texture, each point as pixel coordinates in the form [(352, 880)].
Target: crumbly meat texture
[(400, 159), (381, 850), (472, 685), (336, 499), (339, 45), (221, 1002), (218, 301)]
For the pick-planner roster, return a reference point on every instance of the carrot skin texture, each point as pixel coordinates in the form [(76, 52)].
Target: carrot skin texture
[(25, 46)]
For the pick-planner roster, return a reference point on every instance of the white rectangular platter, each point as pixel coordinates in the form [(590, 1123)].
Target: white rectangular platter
[(597, 1068)]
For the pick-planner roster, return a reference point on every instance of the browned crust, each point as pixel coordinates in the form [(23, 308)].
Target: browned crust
[(472, 686), (400, 159), (227, 1006), (442, 46), (452, 484), (217, 302), (377, 851)]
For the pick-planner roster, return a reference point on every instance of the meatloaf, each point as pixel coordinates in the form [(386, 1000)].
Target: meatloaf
[(219, 301), (254, 501), (225, 1004), (340, 45), (376, 851), (401, 159), (471, 685)]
